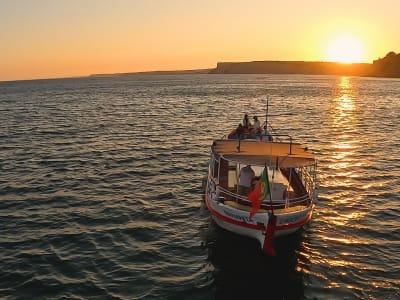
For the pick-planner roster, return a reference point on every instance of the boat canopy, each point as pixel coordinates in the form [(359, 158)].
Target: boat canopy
[(253, 152)]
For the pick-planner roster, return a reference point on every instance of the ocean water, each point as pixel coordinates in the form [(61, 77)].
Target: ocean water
[(101, 188)]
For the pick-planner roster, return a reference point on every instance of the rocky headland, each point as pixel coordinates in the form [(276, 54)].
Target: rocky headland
[(389, 66)]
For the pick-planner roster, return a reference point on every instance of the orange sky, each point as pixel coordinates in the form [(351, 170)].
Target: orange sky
[(47, 39)]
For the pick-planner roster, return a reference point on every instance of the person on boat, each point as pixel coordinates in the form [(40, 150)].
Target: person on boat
[(256, 126), (246, 121), (265, 136), (246, 176), (239, 131)]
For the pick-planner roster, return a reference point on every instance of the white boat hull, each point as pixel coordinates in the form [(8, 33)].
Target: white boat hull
[(238, 221)]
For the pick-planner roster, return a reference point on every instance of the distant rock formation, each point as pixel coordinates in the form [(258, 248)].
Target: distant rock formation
[(389, 66), (173, 72), (292, 67)]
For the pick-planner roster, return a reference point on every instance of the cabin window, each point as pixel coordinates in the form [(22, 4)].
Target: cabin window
[(215, 167), (232, 175), (223, 173)]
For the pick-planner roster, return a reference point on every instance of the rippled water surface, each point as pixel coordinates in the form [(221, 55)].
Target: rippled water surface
[(101, 188)]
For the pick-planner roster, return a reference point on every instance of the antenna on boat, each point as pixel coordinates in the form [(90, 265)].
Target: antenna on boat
[(266, 113)]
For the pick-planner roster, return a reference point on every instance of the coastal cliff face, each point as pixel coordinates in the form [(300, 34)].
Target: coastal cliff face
[(389, 66), (292, 67)]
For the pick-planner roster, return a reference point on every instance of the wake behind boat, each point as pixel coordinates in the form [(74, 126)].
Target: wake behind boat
[(261, 184)]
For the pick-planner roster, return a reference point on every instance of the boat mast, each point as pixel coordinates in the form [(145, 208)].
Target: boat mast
[(266, 113)]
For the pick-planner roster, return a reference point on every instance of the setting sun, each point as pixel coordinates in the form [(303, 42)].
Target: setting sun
[(346, 49)]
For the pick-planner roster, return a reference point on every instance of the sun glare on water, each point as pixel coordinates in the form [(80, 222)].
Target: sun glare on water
[(345, 49)]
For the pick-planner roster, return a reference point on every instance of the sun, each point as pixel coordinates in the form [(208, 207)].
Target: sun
[(345, 49)]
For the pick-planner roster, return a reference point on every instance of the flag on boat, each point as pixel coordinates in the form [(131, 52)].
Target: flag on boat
[(268, 245), (260, 192)]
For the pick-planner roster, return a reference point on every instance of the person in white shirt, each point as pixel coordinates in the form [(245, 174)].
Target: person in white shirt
[(256, 125), (246, 176)]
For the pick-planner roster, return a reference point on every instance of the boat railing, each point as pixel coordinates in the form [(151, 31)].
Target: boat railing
[(308, 179), (271, 137), (225, 194)]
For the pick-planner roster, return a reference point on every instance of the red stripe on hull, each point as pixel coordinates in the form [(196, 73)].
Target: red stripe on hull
[(256, 226)]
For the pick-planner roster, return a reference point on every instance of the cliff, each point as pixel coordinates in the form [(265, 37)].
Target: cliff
[(292, 67), (389, 66), (173, 72)]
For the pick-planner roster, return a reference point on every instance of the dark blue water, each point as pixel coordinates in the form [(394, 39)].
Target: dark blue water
[(101, 188)]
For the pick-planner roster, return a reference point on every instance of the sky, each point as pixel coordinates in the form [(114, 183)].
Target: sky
[(72, 38)]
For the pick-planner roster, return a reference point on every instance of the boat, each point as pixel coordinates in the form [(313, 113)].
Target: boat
[(284, 185)]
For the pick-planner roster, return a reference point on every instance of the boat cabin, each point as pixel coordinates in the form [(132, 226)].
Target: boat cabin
[(290, 167)]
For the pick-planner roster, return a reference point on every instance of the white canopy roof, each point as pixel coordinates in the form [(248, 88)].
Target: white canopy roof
[(253, 152)]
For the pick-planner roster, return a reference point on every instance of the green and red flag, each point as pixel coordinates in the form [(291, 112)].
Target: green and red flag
[(260, 192), (268, 245)]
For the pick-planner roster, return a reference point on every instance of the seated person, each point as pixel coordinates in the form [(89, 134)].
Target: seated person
[(237, 133), (265, 136), (246, 176), (246, 121), (256, 126)]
